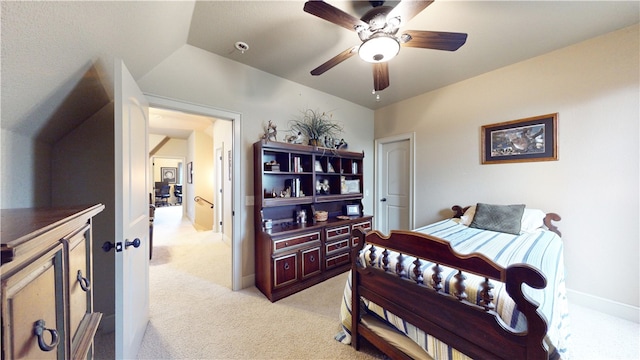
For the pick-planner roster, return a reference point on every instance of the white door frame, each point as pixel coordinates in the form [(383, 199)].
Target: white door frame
[(218, 221), (236, 118), (378, 174)]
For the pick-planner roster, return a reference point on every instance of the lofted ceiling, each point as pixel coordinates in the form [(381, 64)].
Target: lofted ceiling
[(55, 53)]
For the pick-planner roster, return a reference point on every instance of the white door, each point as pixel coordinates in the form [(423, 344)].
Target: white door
[(132, 214), (394, 185)]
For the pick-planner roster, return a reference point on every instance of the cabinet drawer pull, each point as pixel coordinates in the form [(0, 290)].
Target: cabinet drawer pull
[(85, 284), (312, 258), (39, 330), (286, 266)]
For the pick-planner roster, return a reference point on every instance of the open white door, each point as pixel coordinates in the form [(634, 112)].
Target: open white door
[(132, 214)]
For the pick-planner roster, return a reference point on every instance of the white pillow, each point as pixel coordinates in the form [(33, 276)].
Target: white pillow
[(468, 215), (532, 219)]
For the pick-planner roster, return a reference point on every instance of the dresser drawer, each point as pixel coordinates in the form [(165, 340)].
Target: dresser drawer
[(285, 269), (333, 261), (33, 295), (364, 225), (337, 232), (310, 262), (79, 279), (290, 242), (336, 246)]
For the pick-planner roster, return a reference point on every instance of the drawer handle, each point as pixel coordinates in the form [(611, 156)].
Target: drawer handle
[(286, 266), (85, 284), (339, 231), (39, 330), (312, 258)]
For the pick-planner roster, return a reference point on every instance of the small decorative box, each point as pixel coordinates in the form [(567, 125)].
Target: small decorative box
[(271, 167)]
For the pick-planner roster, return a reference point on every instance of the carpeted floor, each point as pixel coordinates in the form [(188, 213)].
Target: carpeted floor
[(195, 315)]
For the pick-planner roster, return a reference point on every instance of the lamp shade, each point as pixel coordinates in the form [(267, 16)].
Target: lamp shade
[(379, 49)]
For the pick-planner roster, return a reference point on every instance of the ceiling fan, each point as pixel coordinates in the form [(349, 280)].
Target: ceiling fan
[(377, 30)]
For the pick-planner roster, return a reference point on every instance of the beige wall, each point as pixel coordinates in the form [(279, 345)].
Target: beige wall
[(196, 76), (594, 87), (202, 155), (25, 168)]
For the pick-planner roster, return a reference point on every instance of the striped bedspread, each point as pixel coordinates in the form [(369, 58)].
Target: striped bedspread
[(541, 248)]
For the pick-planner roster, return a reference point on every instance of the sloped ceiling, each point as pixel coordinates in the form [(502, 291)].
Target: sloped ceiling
[(57, 57)]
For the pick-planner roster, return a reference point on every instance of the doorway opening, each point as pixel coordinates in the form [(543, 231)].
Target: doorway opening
[(206, 133)]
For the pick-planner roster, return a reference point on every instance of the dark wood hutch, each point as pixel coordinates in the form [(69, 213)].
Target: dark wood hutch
[(294, 250)]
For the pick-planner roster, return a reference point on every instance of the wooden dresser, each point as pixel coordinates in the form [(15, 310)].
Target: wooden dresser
[(46, 271)]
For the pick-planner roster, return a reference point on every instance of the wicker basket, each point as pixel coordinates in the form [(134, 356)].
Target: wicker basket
[(321, 215)]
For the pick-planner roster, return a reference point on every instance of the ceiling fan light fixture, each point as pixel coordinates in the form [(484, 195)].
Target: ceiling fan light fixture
[(379, 49)]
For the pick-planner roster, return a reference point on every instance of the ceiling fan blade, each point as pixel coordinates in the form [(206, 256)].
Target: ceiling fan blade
[(407, 9), (380, 76), (335, 60), (332, 14), (435, 40)]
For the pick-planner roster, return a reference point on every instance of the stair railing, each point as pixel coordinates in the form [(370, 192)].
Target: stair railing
[(201, 199)]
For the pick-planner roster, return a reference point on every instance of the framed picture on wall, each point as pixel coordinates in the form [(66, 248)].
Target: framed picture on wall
[(190, 172), (169, 174), (530, 139)]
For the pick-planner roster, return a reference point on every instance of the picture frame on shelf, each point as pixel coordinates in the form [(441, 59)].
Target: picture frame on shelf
[(523, 140), (352, 210)]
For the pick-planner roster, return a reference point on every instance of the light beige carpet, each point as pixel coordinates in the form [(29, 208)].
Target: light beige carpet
[(195, 315)]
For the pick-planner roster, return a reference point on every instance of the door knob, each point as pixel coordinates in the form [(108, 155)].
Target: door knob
[(383, 199), (135, 243)]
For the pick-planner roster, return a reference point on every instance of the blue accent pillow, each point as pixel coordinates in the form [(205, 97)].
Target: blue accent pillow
[(500, 218)]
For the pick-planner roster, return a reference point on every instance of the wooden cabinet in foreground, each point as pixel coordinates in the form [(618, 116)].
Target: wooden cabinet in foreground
[(47, 298), (292, 183)]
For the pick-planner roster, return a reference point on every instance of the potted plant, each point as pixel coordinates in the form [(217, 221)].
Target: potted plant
[(315, 125)]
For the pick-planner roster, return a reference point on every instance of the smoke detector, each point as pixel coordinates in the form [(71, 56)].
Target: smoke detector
[(242, 46)]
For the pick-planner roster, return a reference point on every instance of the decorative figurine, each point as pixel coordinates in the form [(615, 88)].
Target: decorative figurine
[(270, 132), (294, 139)]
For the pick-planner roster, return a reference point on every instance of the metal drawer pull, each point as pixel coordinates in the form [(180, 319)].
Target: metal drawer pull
[(85, 284), (39, 330), (312, 258), (286, 266)]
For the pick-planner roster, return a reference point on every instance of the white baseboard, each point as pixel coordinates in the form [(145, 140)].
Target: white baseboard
[(607, 306), (226, 239), (248, 281)]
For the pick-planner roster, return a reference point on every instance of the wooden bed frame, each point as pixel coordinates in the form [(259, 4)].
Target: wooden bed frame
[(472, 329)]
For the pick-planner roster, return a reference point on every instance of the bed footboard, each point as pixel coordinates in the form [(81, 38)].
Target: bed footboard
[(474, 329)]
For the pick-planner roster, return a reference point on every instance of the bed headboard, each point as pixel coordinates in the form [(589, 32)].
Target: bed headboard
[(458, 211)]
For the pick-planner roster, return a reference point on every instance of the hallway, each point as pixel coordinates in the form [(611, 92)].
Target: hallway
[(208, 263), (173, 234)]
